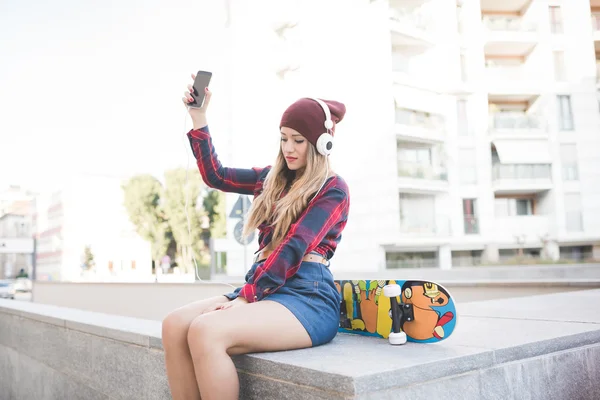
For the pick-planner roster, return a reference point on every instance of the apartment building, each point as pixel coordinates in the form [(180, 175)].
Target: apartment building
[(16, 237), (523, 143), (472, 127)]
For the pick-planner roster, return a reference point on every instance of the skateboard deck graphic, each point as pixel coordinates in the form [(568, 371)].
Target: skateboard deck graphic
[(427, 314)]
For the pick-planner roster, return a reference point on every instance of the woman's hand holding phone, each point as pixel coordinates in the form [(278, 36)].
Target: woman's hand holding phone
[(198, 114)]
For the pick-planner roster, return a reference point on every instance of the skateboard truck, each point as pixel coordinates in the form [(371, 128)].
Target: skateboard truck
[(400, 313)]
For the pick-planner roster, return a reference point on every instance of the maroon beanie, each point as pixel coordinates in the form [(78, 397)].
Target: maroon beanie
[(308, 118)]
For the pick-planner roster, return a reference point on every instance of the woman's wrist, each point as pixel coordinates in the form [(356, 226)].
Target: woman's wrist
[(199, 122)]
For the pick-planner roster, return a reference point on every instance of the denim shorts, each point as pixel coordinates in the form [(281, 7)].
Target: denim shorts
[(311, 296)]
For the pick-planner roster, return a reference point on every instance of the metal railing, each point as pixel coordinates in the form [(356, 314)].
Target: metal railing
[(509, 24), (516, 121), (422, 171), (471, 223), (521, 171)]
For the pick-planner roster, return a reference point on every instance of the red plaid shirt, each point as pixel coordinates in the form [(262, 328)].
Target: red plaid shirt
[(318, 228)]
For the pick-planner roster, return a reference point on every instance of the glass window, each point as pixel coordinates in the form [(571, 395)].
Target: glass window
[(556, 23), (568, 158), (565, 113), (524, 207)]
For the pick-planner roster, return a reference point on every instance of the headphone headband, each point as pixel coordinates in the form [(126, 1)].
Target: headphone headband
[(328, 122)]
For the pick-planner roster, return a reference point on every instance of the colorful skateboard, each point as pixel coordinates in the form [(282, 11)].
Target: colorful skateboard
[(413, 310)]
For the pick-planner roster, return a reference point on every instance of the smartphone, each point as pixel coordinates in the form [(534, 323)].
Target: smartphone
[(202, 80)]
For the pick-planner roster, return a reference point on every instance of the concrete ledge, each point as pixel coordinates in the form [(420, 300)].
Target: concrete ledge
[(545, 347)]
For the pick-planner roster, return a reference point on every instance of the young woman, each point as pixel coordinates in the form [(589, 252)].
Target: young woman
[(289, 300)]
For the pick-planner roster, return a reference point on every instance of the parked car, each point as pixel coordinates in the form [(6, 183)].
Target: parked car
[(22, 285), (7, 290)]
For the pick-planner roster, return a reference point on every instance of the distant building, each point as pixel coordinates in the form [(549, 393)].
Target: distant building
[(16, 236), (88, 211)]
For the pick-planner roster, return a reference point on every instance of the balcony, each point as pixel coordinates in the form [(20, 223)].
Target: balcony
[(412, 30), (506, 35), (521, 178), (417, 126), (517, 125), (512, 80), (421, 178)]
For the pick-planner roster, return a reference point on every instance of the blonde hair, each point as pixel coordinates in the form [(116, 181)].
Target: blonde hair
[(282, 212)]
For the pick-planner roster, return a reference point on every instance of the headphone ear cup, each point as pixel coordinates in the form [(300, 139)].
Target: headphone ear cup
[(325, 144)]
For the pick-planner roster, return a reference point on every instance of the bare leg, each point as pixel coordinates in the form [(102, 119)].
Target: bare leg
[(178, 360), (249, 328)]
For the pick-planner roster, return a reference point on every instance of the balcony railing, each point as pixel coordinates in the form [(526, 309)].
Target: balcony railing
[(471, 224), (509, 24), (514, 121), (522, 171), (435, 226), (419, 119), (422, 171), (416, 19)]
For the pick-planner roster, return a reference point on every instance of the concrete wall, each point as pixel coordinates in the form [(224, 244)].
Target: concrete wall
[(155, 300), (547, 347)]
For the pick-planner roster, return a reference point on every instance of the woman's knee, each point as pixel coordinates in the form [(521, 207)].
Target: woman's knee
[(202, 336), (174, 329)]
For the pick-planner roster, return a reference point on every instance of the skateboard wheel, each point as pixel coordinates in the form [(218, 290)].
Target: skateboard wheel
[(397, 338), (391, 290)]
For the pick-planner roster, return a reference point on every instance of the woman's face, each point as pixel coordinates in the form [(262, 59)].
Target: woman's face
[(294, 148)]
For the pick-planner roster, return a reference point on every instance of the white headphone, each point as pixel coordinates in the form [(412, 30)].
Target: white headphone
[(325, 142)]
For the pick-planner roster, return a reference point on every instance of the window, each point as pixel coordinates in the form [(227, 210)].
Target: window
[(507, 207), (559, 66), (565, 113), (467, 166), (573, 215), (524, 207), (556, 24), (463, 124), (417, 156), (470, 216), (568, 158)]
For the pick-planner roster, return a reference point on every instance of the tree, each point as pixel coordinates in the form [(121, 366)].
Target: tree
[(88, 258), (190, 243), (214, 204), (146, 212)]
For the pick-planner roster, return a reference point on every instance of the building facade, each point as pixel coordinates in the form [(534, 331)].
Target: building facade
[(472, 132)]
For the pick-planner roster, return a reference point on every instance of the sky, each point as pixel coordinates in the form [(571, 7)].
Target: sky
[(95, 86)]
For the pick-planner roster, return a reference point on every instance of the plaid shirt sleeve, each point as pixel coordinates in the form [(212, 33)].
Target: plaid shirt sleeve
[(323, 220), (237, 180)]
